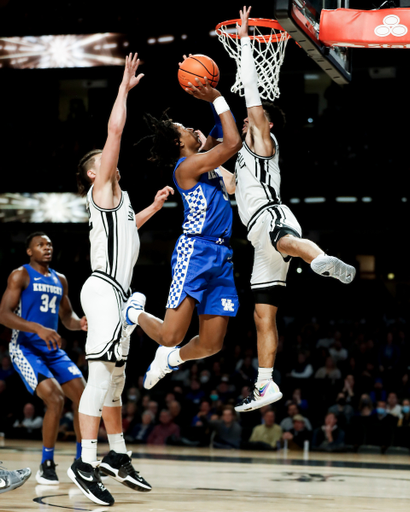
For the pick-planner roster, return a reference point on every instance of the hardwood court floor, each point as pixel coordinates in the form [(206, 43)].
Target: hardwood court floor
[(207, 480)]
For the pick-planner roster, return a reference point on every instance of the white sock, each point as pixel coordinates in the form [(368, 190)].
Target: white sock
[(318, 257), (117, 443), (174, 359), (264, 374), (89, 450), (133, 314)]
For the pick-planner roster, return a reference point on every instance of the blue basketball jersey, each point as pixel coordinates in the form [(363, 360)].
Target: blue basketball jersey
[(39, 303), (207, 209)]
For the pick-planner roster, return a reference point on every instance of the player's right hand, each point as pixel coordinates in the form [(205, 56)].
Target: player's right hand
[(202, 91), (51, 337)]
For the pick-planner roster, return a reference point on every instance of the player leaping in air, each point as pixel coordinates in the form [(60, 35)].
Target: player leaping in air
[(272, 228)]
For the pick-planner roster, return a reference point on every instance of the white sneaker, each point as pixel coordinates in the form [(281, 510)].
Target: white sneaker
[(136, 301), (260, 396), (330, 266), (159, 367)]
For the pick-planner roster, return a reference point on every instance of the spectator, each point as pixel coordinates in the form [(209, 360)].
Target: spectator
[(378, 392), (164, 430), (142, 430), (130, 417), (287, 423), (349, 391), (195, 393), (393, 407), (30, 426), (6, 368), (153, 407), (302, 403), (298, 434), (343, 411), (337, 352), (204, 414), (133, 394), (382, 427), (175, 409), (269, 433), (329, 437), (302, 369), (227, 430), (328, 371)]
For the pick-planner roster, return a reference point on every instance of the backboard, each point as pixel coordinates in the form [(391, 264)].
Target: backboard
[(300, 18)]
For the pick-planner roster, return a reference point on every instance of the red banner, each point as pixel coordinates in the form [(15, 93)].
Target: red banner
[(384, 28)]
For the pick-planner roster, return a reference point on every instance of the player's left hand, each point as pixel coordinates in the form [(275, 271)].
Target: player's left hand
[(84, 324), (161, 196), (131, 65), (243, 27)]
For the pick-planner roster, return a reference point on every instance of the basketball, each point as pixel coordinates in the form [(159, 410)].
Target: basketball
[(198, 66)]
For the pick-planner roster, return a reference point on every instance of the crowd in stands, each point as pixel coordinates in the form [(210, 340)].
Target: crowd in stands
[(345, 388)]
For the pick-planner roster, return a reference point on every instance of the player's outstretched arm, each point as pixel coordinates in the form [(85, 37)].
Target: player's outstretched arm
[(259, 126), (159, 200), (106, 184), (68, 317), (16, 283)]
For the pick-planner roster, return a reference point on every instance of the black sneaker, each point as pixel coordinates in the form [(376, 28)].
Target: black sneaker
[(119, 466), (47, 475), (87, 479)]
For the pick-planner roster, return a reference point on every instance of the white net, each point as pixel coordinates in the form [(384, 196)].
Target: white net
[(268, 55)]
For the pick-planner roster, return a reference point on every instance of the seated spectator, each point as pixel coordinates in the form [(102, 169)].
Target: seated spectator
[(329, 437), (337, 352), (227, 430), (133, 394), (205, 412), (175, 409), (287, 423), (378, 392), (130, 417), (382, 427), (404, 421), (302, 369), (164, 430), (343, 411), (393, 407), (302, 403), (225, 390), (349, 391), (298, 434), (153, 407), (328, 371), (30, 426), (141, 431), (195, 394), (268, 434)]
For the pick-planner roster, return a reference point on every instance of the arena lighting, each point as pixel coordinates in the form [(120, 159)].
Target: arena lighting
[(294, 200), (404, 199), (390, 276), (367, 199), (62, 51), (40, 207), (170, 204), (314, 200), (346, 199), (163, 39)]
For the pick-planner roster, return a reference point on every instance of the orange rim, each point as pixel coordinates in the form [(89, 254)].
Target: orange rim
[(256, 22)]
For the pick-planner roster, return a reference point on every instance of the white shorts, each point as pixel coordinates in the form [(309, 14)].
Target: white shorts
[(270, 267), (102, 302)]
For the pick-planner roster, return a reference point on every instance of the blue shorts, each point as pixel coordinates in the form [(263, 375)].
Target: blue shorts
[(33, 364), (203, 270)]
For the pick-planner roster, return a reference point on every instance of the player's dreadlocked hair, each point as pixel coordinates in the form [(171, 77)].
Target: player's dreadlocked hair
[(275, 115), (87, 161), (165, 140)]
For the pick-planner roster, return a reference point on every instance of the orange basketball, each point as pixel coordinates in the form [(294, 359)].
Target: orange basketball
[(198, 66)]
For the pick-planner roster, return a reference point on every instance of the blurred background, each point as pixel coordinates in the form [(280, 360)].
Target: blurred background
[(344, 174)]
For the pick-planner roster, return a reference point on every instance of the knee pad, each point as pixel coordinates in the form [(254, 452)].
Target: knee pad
[(96, 389), (113, 397)]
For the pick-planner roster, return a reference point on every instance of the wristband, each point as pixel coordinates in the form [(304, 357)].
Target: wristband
[(220, 105)]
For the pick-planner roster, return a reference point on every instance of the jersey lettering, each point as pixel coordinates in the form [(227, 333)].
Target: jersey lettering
[(47, 304)]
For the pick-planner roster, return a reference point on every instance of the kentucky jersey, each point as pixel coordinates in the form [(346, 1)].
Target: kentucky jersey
[(257, 182), (114, 239), (207, 209), (39, 303)]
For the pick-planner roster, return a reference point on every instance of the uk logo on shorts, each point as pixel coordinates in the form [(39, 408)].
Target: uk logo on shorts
[(228, 305), (74, 370)]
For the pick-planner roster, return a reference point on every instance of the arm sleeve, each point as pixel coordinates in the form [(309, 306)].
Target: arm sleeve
[(249, 76)]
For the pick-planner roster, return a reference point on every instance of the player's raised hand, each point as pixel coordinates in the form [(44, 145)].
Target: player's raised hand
[(202, 91), (131, 65), (243, 27), (161, 196), (50, 336)]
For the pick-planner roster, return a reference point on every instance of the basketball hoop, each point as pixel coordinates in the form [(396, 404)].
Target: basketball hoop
[(269, 42)]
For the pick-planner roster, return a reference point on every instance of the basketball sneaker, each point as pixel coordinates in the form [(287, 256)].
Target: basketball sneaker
[(10, 480), (87, 478), (159, 367), (330, 266), (119, 466), (262, 394), (136, 301), (47, 475)]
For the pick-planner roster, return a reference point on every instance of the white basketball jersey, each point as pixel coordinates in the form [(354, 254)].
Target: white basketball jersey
[(257, 182), (114, 239)]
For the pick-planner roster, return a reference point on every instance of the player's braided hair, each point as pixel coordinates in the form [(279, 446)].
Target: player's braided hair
[(83, 181), (165, 140)]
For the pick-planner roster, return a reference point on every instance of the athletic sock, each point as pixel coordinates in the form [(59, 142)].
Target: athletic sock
[(134, 314), (117, 443), (319, 257), (174, 359), (89, 450), (48, 454), (78, 450), (264, 374)]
